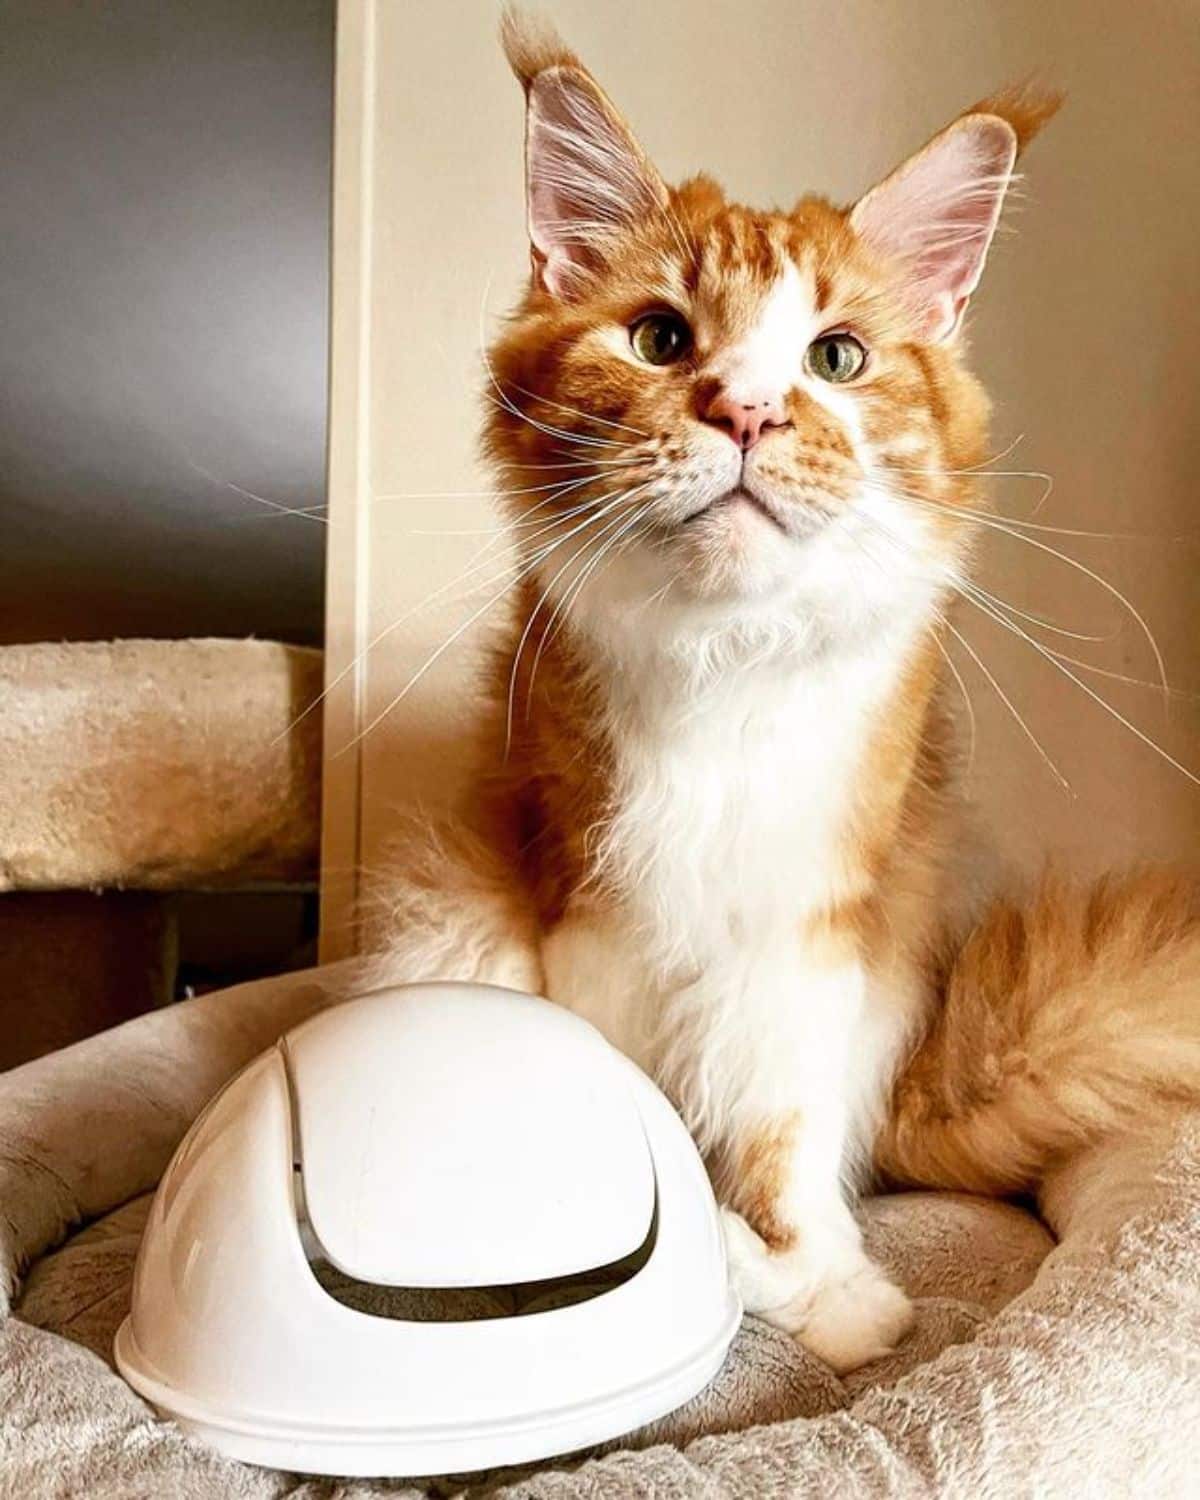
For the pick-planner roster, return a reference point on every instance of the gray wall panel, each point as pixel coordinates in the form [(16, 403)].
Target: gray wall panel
[(164, 219)]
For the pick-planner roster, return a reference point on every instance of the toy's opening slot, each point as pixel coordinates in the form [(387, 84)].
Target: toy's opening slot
[(465, 1304)]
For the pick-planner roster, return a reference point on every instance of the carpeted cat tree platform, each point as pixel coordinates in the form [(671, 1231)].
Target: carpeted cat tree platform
[(1053, 1356), (135, 775), (158, 765)]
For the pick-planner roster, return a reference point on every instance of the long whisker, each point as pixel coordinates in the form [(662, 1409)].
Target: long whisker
[(977, 471), (1109, 588), (574, 412), (581, 440), (984, 473), (1055, 660), (310, 512), (1033, 619), (562, 608), (966, 645), (306, 513), (565, 486), (543, 597), (981, 518), (541, 525), (990, 522), (1008, 703), (508, 528), (962, 688), (510, 406), (580, 463), (477, 565), (1123, 677), (382, 635), (523, 570), (1039, 620), (512, 572), (624, 462), (428, 663), (981, 466)]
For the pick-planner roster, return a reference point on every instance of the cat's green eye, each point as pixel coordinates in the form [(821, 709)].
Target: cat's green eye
[(835, 357), (660, 338)]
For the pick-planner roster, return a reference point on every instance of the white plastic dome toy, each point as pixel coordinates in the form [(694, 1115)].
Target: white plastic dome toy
[(537, 1199)]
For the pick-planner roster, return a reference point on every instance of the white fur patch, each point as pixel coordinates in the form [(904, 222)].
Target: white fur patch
[(731, 798), (770, 355)]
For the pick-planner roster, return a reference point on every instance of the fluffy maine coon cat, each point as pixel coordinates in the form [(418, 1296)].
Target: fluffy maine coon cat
[(714, 808)]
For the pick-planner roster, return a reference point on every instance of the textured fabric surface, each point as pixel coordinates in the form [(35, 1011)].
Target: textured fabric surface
[(1035, 1368), (158, 764)]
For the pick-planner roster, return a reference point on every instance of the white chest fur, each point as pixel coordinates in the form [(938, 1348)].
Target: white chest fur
[(728, 829), (730, 810)]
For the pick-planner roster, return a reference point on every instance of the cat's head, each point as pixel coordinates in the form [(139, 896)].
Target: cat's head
[(752, 414)]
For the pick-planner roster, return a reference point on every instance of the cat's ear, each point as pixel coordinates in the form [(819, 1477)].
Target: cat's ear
[(587, 179), (936, 214)]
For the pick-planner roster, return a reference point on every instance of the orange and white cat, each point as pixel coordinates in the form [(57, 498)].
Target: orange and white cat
[(714, 807)]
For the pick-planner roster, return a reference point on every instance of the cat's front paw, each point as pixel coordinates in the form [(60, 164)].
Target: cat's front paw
[(839, 1304), (856, 1319)]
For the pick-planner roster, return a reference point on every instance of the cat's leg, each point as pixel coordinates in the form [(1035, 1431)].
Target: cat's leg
[(835, 1300), (594, 967), (451, 906), (768, 1054), (795, 1248)]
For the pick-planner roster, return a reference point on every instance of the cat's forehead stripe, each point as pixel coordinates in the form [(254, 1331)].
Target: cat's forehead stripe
[(742, 257), (746, 262)]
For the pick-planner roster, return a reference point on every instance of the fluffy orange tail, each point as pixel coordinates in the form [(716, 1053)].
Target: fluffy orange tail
[(1063, 1022)]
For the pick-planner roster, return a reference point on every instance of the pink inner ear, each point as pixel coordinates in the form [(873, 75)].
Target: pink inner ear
[(586, 176), (937, 214)]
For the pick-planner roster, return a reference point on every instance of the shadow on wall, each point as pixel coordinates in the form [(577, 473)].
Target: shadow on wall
[(163, 292)]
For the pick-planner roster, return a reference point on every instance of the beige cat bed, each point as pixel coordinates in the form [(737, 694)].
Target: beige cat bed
[(1068, 1369), (158, 765)]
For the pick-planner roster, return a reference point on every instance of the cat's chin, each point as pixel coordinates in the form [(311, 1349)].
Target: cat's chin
[(738, 508), (727, 565), (736, 549)]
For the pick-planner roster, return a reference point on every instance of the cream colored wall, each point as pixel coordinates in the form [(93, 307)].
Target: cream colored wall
[(1086, 331)]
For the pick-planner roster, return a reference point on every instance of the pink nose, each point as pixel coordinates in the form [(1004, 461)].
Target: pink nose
[(745, 416)]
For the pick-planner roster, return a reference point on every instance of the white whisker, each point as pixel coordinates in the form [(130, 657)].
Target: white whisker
[(981, 518), (995, 524), (575, 412), (1109, 588), (1056, 661), (507, 404), (1008, 703), (306, 513), (512, 680), (966, 696), (524, 568), (580, 440), (577, 586)]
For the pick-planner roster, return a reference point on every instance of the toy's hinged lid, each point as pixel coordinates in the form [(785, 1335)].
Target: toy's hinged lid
[(459, 1176)]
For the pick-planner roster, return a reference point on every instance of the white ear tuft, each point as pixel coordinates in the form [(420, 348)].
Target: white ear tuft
[(587, 178), (936, 216)]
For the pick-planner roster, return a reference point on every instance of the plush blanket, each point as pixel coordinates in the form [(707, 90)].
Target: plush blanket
[(1055, 1356)]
